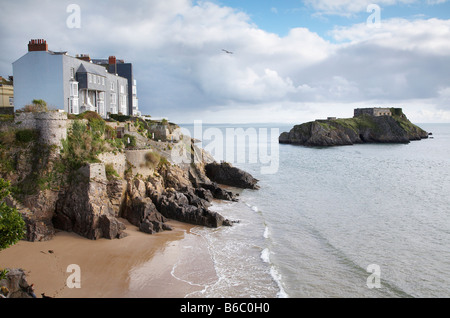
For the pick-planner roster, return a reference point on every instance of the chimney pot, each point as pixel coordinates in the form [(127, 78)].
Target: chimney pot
[(37, 45)]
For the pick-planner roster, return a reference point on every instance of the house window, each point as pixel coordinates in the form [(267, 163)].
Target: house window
[(103, 81), (122, 91), (98, 80), (72, 73), (90, 78), (112, 86), (113, 98), (11, 101), (74, 89), (73, 106)]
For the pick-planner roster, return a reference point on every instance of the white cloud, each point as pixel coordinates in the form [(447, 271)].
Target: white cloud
[(350, 7), (182, 72), (431, 35)]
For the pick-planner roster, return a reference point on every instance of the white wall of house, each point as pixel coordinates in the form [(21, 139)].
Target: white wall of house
[(39, 75), (48, 76)]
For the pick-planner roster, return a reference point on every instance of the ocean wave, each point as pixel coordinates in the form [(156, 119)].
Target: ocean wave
[(266, 234)]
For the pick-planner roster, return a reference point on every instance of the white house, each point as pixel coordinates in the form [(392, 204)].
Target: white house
[(74, 84)]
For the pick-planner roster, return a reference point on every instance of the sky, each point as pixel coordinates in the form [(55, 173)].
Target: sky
[(293, 61)]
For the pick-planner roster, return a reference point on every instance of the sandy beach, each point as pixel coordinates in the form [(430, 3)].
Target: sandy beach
[(171, 264)]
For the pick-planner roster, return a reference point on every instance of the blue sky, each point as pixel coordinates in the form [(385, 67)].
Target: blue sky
[(281, 16), (294, 61)]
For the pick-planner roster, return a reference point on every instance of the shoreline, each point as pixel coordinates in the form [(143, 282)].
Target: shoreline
[(161, 265)]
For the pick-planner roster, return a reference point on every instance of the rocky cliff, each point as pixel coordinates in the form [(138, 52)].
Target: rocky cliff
[(349, 131), (71, 189)]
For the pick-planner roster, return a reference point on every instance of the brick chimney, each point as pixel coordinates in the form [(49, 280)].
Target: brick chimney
[(37, 45), (112, 65)]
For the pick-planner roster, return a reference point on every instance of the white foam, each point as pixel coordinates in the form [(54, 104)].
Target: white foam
[(266, 232), (277, 277), (265, 255)]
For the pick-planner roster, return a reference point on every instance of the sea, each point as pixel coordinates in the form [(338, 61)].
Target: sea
[(369, 220)]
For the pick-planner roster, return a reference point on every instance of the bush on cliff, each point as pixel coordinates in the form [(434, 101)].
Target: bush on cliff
[(81, 146), (26, 135), (12, 226), (152, 159)]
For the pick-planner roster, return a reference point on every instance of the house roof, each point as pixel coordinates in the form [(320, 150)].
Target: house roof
[(93, 69)]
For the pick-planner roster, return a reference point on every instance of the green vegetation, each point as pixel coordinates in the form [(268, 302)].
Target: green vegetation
[(155, 161), (397, 112), (152, 159), (5, 118), (26, 135), (129, 141), (3, 273), (120, 118), (12, 226), (111, 173), (81, 146), (37, 105)]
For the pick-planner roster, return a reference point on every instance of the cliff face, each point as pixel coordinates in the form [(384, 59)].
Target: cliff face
[(53, 191), (349, 131)]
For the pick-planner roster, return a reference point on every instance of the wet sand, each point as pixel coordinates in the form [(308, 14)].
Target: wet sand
[(171, 264)]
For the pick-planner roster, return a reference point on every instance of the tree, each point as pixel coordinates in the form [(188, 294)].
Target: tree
[(12, 226), (40, 105)]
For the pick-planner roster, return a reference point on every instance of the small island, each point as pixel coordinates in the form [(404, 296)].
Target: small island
[(368, 125)]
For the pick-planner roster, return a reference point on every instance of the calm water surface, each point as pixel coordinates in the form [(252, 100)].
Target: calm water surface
[(316, 224)]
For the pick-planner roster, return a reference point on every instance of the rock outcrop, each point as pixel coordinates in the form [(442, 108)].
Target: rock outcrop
[(85, 207), (225, 173), (349, 131), (15, 284)]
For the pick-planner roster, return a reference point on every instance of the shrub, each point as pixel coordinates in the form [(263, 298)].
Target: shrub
[(129, 140), (26, 135), (111, 173), (80, 146), (7, 138), (119, 118), (90, 115), (152, 159), (38, 105), (163, 162), (12, 226)]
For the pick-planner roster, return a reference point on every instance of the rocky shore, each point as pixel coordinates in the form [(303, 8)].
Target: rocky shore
[(357, 130), (145, 187)]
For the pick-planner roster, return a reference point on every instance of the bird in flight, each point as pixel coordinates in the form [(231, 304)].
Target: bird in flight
[(227, 51)]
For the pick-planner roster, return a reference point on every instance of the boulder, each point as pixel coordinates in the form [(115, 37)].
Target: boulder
[(225, 173), (175, 206), (15, 284), (140, 210), (85, 208)]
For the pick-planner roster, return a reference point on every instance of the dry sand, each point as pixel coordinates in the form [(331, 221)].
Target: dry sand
[(171, 264)]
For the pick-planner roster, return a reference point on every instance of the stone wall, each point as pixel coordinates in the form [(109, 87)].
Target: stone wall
[(51, 125), (136, 158), (372, 111), (118, 160)]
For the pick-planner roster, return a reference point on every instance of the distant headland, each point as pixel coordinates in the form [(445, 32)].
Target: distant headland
[(368, 125)]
